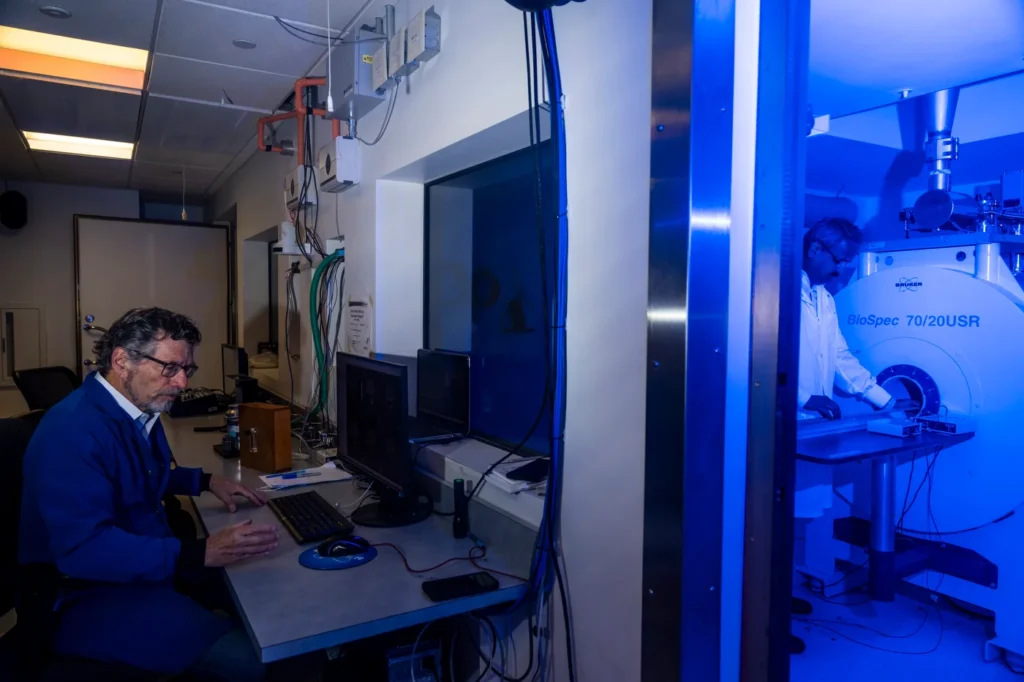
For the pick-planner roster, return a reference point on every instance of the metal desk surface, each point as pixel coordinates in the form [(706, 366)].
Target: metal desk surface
[(857, 446), (290, 610)]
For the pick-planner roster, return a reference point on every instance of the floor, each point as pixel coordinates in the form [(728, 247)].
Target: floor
[(904, 638)]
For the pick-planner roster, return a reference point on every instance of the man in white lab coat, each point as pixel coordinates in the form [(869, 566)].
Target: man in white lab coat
[(830, 246)]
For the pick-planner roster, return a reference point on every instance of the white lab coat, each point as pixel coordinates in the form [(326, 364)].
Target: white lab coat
[(825, 362)]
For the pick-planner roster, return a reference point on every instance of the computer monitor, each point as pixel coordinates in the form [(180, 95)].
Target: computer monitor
[(442, 389), (234, 363), (373, 438)]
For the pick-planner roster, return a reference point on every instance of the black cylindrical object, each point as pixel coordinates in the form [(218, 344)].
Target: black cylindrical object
[(460, 524)]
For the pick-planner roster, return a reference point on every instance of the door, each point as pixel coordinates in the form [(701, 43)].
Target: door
[(125, 264), (21, 342)]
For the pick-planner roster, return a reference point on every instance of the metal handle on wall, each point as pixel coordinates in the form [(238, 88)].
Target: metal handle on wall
[(88, 363), (252, 441)]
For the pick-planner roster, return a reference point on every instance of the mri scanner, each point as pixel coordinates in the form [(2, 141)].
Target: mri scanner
[(938, 317)]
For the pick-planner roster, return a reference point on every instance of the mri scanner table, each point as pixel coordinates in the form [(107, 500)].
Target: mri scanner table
[(884, 453)]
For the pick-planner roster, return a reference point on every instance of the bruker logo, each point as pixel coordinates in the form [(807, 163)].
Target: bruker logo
[(908, 284)]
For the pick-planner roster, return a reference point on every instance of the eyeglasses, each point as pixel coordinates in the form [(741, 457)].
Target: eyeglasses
[(840, 262), (171, 369)]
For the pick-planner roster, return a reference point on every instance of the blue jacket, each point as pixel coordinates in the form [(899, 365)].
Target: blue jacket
[(91, 505)]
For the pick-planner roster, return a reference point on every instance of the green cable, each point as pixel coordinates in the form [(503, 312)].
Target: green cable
[(314, 320)]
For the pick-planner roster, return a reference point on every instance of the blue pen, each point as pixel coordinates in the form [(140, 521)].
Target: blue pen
[(300, 474)]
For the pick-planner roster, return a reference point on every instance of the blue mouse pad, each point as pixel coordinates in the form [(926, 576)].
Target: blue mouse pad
[(311, 559)]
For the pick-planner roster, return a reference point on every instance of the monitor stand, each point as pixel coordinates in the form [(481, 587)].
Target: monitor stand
[(392, 511)]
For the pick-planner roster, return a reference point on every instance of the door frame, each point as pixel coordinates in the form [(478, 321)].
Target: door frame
[(169, 223)]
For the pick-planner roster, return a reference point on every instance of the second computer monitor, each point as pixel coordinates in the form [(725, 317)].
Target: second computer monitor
[(234, 363), (442, 388)]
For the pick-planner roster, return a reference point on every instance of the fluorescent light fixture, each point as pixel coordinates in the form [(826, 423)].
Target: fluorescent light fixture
[(81, 146), (73, 48), (45, 56)]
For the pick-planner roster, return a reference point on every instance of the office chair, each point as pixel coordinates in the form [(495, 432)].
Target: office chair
[(44, 387), (23, 655)]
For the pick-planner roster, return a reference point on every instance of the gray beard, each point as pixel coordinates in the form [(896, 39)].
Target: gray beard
[(147, 408)]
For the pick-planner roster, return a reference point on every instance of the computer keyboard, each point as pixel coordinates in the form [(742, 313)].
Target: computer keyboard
[(309, 517)]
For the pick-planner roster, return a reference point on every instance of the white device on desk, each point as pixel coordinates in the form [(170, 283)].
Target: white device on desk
[(901, 427), (936, 319)]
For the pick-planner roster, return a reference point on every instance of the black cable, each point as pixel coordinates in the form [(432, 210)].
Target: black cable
[(387, 118), (534, 137), (494, 638), (336, 40)]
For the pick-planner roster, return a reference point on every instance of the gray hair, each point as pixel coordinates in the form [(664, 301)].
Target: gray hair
[(832, 231), (138, 330)]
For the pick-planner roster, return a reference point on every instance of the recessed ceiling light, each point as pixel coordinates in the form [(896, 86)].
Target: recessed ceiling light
[(80, 146), (55, 12), (243, 44)]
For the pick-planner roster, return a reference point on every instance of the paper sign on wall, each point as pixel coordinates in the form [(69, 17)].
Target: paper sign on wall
[(358, 327)]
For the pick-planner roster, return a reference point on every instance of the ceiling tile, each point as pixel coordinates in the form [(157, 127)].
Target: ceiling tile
[(210, 82), (863, 54), (186, 133), (82, 170), (312, 12), (118, 22), (168, 178), (205, 32), (70, 110)]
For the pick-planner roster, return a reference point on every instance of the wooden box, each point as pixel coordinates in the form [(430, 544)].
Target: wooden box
[(265, 437)]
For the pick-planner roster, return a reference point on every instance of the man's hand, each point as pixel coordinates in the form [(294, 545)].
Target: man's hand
[(241, 541), (826, 407), (225, 490)]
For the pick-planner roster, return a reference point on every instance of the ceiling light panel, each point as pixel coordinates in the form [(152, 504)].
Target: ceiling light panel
[(44, 56), (51, 45), (78, 146)]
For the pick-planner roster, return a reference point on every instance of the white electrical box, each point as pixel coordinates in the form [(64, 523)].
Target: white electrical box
[(397, 66), (380, 81), (287, 244), (423, 37), (300, 186), (339, 165)]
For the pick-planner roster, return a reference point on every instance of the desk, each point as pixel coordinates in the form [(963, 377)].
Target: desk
[(290, 610), (882, 451)]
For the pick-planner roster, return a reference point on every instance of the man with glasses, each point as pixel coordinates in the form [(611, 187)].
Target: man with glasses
[(830, 247), (93, 531)]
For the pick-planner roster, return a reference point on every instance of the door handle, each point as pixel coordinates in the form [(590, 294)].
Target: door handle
[(94, 328), (88, 363), (252, 441)]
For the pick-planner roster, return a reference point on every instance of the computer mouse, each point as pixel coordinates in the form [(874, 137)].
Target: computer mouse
[(342, 547)]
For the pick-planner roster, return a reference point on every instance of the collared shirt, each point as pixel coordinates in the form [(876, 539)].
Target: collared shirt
[(134, 412), (825, 359)]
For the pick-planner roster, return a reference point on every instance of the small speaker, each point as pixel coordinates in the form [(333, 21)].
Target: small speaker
[(13, 210)]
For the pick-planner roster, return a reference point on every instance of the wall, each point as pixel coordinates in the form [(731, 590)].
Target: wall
[(37, 263), (474, 92), (255, 319)]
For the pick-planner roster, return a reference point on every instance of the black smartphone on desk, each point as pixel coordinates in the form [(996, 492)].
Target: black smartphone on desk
[(460, 586)]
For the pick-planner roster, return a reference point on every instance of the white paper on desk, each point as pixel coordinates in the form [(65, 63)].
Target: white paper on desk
[(328, 473), (499, 477)]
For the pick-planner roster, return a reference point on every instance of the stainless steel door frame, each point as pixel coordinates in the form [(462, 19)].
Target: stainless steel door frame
[(687, 312), (782, 116), (701, 333)]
